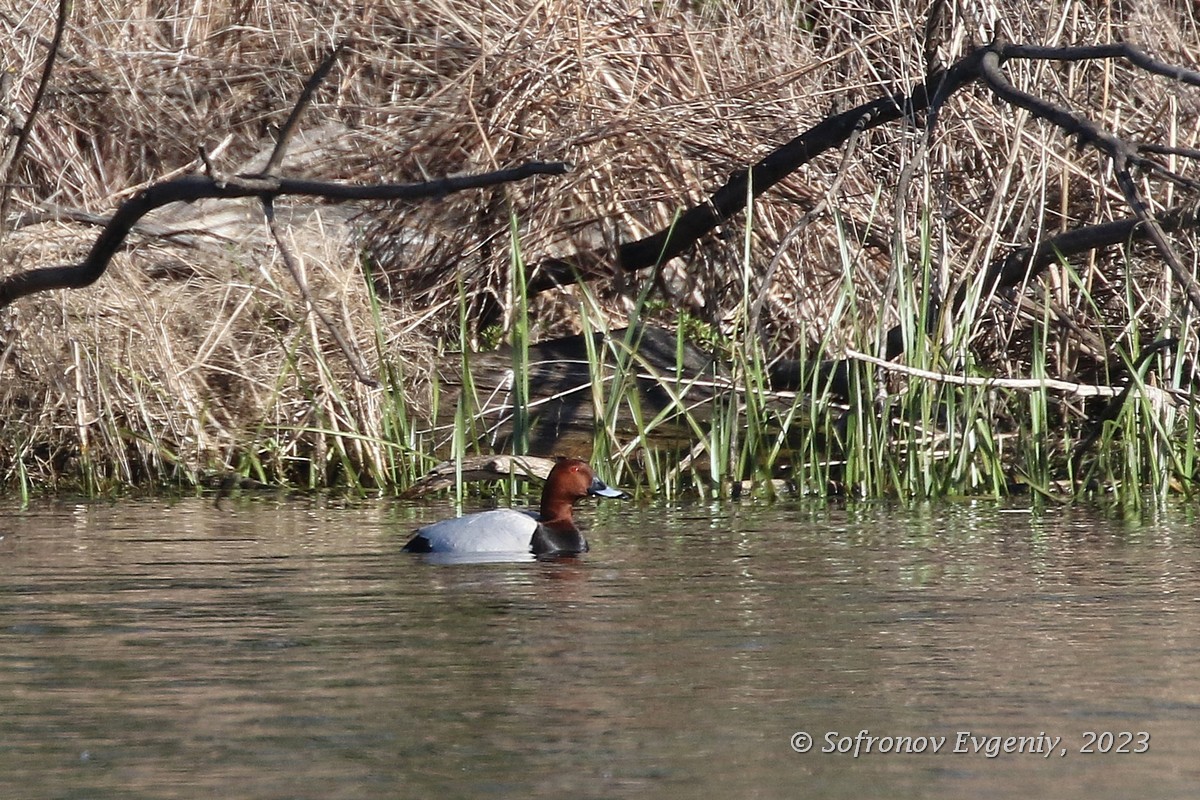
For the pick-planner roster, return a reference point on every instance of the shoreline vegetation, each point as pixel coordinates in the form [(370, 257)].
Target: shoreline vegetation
[(868, 251)]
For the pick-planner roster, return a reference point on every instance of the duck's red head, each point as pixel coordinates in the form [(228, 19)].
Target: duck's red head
[(570, 480)]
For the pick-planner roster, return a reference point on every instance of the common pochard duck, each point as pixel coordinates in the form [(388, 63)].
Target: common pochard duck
[(550, 532)]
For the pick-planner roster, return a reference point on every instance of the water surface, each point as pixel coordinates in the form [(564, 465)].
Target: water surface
[(291, 650)]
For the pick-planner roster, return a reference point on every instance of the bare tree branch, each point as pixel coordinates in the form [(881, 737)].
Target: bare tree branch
[(983, 62), (1125, 50), (199, 187), (1122, 153), (731, 198)]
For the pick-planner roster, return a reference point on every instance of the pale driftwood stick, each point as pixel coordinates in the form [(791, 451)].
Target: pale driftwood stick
[(50, 213), (199, 187), (1017, 384), (1018, 266), (480, 468)]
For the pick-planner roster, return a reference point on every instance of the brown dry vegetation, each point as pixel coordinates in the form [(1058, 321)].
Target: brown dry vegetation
[(197, 349)]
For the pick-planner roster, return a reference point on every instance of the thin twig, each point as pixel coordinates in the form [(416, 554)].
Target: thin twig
[(268, 204), (14, 163), (293, 266), (814, 212), (293, 120), (1155, 234)]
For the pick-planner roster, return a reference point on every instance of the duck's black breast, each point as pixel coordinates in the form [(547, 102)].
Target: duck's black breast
[(547, 542), (418, 544)]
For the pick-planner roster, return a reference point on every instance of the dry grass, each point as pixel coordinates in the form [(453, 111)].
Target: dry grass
[(188, 356)]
